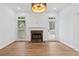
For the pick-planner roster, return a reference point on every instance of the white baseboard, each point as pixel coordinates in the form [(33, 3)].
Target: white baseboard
[(76, 50), (69, 46), (8, 43)]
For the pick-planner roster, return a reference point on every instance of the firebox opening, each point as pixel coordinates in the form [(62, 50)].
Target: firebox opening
[(36, 36)]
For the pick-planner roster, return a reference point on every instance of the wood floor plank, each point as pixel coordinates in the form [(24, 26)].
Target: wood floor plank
[(37, 49)]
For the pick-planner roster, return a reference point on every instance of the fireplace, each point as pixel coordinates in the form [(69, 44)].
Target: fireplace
[(36, 36)]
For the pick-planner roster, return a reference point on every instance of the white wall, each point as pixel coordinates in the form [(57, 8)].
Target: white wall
[(7, 26), (67, 25), (37, 20)]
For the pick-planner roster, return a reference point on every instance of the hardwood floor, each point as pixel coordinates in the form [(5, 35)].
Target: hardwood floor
[(37, 49)]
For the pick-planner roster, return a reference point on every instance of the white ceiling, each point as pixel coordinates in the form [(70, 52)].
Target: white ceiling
[(26, 7)]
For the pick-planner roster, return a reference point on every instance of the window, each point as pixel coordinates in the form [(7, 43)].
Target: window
[(51, 25), (21, 17), (21, 24), (21, 28), (52, 21)]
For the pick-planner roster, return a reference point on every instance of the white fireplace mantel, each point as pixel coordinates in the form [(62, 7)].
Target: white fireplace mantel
[(36, 27), (44, 29)]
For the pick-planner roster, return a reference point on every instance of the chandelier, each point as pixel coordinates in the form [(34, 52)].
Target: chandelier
[(39, 7)]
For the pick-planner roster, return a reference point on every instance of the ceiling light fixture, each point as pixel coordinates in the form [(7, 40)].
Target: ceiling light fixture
[(39, 7)]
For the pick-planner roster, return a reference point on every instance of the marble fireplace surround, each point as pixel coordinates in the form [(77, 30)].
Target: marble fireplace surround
[(45, 32)]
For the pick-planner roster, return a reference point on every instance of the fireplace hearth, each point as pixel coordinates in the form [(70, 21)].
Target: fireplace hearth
[(36, 36)]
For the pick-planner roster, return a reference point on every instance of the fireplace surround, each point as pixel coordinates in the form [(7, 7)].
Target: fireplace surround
[(37, 28)]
